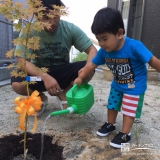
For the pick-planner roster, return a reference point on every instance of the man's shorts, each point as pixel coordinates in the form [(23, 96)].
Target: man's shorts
[(129, 105), (64, 74)]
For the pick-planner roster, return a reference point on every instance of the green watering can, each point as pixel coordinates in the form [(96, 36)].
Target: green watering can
[(79, 99)]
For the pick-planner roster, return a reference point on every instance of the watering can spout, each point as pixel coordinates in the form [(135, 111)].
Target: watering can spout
[(79, 98), (65, 111)]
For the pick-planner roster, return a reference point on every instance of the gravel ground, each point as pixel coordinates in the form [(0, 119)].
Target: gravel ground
[(78, 133)]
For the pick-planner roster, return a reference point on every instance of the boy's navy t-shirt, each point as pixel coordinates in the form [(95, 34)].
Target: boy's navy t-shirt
[(128, 66)]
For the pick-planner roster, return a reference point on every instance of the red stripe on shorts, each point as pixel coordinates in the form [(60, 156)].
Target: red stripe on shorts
[(130, 108), (129, 104), (130, 98)]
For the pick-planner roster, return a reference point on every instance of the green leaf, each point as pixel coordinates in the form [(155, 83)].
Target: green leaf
[(18, 26)]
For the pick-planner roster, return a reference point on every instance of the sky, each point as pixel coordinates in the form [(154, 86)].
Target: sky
[(82, 12)]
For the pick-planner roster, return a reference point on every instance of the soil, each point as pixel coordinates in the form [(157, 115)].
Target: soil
[(12, 147)]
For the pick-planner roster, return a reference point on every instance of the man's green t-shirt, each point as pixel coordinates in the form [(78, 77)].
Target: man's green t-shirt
[(54, 47)]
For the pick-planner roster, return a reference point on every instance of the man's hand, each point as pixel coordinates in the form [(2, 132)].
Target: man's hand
[(51, 85)]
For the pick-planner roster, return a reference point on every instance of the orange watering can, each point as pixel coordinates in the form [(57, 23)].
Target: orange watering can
[(79, 99)]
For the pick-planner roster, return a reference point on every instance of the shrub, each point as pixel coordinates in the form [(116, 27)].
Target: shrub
[(81, 56)]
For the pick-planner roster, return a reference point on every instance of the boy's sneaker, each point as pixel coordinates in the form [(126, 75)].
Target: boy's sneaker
[(120, 138), (106, 129)]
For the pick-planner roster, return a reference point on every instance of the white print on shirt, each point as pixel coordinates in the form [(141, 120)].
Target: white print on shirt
[(121, 70)]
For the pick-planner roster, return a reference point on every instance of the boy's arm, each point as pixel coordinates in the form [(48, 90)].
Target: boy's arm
[(89, 67), (155, 63)]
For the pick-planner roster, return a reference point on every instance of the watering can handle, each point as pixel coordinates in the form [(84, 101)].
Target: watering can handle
[(74, 87), (73, 91)]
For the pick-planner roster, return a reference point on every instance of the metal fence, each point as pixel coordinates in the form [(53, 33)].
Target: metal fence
[(6, 37)]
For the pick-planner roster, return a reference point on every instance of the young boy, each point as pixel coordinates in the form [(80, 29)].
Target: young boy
[(126, 58)]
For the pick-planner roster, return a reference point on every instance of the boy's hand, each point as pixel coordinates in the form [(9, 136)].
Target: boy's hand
[(78, 81)]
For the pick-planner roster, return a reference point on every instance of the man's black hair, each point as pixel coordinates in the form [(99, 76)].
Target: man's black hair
[(49, 3), (107, 20)]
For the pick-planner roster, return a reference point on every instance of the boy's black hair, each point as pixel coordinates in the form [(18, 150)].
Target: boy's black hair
[(49, 3), (107, 20)]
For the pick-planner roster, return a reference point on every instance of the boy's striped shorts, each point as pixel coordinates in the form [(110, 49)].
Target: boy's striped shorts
[(130, 105)]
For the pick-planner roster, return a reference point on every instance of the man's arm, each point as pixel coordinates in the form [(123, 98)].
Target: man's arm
[(82, 43), (30, 68), (91, 51), (50, 83)]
